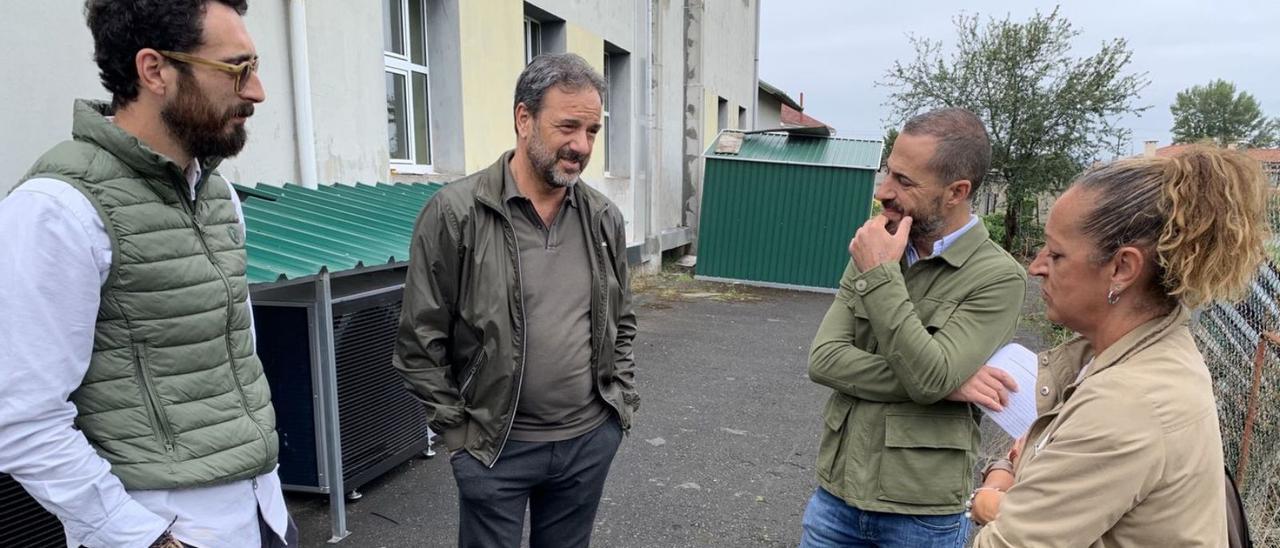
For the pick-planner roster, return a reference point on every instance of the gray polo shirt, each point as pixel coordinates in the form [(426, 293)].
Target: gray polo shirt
[(558, 399)]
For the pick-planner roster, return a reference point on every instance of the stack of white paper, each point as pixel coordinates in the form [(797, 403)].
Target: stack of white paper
[(1018, 415)]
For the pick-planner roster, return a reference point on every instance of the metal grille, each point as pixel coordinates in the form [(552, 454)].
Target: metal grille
[(378, 418), (1241, 345), (25, 522)]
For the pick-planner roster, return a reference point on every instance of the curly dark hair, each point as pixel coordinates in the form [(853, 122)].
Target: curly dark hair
[(122, 27)]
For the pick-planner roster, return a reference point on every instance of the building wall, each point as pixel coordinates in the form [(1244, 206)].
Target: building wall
[(770, 114), (476, 51), (40, 108), (668, 200), (729, 64), (271, 154), (348, 91), (492, 56), (591, 47), (37, 114), (710, 116)]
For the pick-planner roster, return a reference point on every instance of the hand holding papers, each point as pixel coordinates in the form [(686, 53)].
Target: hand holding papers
[(1020, 412)]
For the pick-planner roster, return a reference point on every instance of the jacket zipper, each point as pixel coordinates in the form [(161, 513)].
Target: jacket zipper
[(231, 360), (515, 403), (471, 374), (164, 432), (602, 295)]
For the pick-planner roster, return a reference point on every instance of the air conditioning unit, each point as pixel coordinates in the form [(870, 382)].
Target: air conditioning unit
[(380, 425), (24, 522)]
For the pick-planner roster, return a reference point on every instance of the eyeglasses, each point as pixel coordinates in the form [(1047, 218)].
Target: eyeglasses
[(241, 70)]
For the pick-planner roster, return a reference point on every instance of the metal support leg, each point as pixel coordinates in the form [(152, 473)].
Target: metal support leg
[(328, 406)]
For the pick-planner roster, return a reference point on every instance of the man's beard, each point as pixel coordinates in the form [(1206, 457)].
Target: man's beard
[(199, 128), (925, 223), (546, 163)]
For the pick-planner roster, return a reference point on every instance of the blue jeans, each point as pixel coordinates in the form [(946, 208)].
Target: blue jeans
[(830, 523)]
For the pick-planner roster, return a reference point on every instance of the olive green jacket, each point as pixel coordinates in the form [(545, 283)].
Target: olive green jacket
[(460, 346), (895, 342)]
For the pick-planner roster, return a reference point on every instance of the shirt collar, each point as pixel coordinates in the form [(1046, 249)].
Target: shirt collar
[(942, 244), (511, 191), (193, 174)]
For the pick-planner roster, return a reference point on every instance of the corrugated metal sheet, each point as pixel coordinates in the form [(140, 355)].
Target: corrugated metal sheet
[(779, 147), (780, 223), (336, 227)]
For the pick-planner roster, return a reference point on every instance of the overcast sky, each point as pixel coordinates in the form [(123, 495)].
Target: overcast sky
[(835, 50)]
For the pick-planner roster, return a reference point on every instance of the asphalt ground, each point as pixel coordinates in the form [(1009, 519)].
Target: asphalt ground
[(721, 453)]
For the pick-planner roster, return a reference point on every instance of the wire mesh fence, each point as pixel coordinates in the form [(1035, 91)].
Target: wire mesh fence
[(1241, 345)]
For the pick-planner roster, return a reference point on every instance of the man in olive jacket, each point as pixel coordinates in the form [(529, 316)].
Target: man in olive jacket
[(517, 325), (926, 299)]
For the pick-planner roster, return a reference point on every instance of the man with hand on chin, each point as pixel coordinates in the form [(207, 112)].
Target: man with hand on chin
[(926, 299)]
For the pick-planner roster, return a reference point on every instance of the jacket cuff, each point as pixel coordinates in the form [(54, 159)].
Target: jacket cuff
[(868, 281)]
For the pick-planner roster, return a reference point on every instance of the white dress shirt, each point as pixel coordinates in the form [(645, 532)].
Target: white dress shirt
[(943, 243), (55, 255)]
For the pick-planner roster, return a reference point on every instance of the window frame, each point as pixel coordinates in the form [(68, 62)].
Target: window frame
[(403, 65)]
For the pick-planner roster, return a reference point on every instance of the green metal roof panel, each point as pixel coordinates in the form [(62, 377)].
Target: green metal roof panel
[(294, 232), (778, 147)]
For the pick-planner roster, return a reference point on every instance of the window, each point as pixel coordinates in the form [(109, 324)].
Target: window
[(616, 115), (404, 44), (722, 113), (532, 39), (742, 118)]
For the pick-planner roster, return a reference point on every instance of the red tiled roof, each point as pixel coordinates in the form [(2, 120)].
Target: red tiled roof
[(793, 117), (1267, 155)]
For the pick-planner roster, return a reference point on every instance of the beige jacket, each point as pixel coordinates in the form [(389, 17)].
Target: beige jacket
[(1130, 455)]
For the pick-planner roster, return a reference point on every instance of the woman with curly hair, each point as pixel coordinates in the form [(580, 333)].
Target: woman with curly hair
[(1126, 450)]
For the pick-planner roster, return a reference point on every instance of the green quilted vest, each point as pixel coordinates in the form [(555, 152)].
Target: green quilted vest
[(175, 396)]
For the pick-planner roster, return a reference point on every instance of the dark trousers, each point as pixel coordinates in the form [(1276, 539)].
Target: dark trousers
[(560, 482)]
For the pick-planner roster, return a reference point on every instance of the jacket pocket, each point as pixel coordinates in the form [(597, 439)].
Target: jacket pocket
[(151, 400), (935, 313), (469, 374), (829, 449), (927, 459)]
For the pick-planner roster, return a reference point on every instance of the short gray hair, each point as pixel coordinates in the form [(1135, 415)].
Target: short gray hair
[(568, 71), (964, 148)]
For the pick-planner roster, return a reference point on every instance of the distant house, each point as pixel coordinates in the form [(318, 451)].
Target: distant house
[(1270, 157), (797, 118), (779, 110)]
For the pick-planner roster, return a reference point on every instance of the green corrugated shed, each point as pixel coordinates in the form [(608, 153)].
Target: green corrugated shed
[(294, 232), (779, 209)]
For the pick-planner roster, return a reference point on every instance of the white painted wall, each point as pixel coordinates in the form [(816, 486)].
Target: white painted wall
[(49, 45), (670, 114), (271, 156), (770, 112), (36, 98), (728, 52), (348, 91)]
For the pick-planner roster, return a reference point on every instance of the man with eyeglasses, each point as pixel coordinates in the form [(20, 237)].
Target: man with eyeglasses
[(134, 405)]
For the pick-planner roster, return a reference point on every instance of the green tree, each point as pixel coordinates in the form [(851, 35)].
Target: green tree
[(1049, 113), (890, 135), (1217, 111)]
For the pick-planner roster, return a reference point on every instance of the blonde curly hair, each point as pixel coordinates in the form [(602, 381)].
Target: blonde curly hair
[(1202, 213)]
